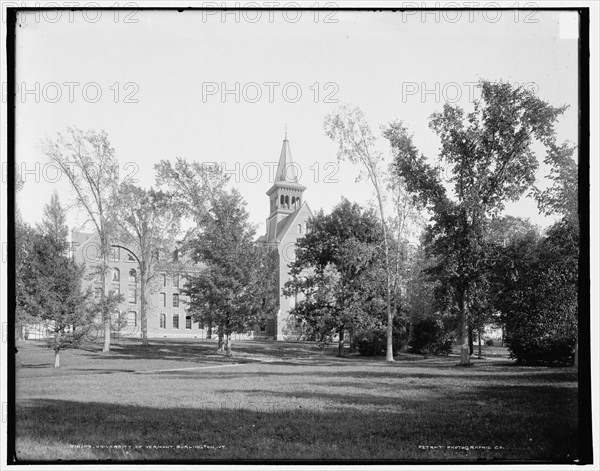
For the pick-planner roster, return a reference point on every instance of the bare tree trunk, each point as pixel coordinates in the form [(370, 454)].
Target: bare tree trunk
[(143, 315), (341, 343), (57, 349), (389, 353), (464, 329), (576, 359), (105, 313), (209, 331), (479, 343), (470, 340), (228, 343), (220, 341)]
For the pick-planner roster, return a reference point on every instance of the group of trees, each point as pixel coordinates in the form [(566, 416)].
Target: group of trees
[(233, 290), (359, 271), (469, 271)]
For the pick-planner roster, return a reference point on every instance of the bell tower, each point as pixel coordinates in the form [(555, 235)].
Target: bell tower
[(287, 194)]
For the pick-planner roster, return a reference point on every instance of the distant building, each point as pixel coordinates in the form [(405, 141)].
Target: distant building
[(165, 310)]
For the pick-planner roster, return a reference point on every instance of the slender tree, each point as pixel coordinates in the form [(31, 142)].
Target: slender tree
[(88, 162), (350, 130), (149, 221)]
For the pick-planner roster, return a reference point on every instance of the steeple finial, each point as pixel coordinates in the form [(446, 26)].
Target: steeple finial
[(285, 138)]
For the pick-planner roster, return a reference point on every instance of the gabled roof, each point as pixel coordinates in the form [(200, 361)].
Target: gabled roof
[(290, 220)]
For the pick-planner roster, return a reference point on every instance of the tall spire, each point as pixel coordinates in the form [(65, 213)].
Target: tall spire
[(286, 169)]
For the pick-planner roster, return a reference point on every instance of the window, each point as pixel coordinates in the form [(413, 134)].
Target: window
[(116, 276), (175, 300), (132, 295), (132, 319), (164, 277), (176, 321), (176, 281), (130, 258), (163, 321), (114, 254), (188, 322), (164, 299), (132, 276), (116, 291), (299, 228)]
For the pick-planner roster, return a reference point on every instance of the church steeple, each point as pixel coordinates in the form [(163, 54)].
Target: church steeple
[(286, 168), (286, 194)]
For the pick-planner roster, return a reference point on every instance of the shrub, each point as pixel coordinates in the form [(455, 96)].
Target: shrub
[(489, 342), (373, 342), (546, 352), (430, 338)]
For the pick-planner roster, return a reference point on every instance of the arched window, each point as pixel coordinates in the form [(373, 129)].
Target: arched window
[(287, 201), (293, 201), (299, 228), (132, 276), (282, 200), (163, 321), (116, 274), (132, 295)]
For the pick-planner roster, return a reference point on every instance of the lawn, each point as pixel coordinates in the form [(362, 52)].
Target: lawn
[(180, 400)]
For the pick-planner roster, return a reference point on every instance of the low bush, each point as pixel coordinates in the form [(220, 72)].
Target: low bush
[(373, 342), (430, 338), (544, 352)]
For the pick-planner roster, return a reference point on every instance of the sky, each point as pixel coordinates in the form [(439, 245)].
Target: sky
[(223, 87)]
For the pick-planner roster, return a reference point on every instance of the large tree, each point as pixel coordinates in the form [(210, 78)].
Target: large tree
[(149, 221), (88, 162), (335, 271), (235, 288), (489, 154)]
